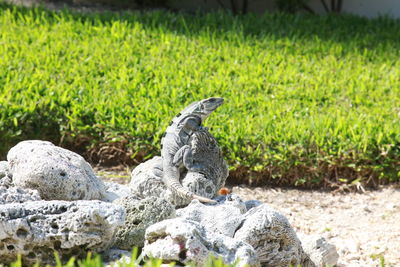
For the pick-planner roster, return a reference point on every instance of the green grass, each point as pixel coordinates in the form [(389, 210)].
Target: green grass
[(308, 99), (95, 260)]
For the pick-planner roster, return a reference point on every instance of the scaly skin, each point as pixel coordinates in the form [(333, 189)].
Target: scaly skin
[(176, 152)]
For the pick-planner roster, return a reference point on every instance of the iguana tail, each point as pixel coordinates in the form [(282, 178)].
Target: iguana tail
[(184, 193)]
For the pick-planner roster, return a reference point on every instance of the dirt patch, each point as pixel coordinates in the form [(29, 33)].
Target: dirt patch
[(364, 227)]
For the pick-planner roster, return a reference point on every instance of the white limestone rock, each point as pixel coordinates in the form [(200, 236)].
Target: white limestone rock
[(3, 169), (5, 175), (224, 218), (140, 214), (319, 250), (266, 230), (17, 195), (57, 173), (188, 241), (36, 229), (271, 235), (146, 179), (115, 191)]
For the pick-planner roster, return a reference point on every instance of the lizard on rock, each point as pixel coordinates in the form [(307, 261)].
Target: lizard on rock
[(175, 150)]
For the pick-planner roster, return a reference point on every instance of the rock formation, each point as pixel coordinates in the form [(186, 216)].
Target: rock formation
[(35, 222), (271, 235), (140, 214), (187, 241), (57, 173), (17, 195), (320, 252), (5, 175), (36, 229), (227, 224)]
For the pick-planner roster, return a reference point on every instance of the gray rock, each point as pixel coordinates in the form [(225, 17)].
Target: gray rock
[(36, 229), (140, 214), (223, 218), (57, 173), (5, 175), (3, 169), (266, 230), (188, 241), (319, 250), (17, 195), (146, 180), (271, 235), (115, 191)]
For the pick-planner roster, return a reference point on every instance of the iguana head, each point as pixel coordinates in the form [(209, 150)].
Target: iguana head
[(205, 107)]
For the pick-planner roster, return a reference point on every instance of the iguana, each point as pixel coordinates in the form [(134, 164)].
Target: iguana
[(175, 150)]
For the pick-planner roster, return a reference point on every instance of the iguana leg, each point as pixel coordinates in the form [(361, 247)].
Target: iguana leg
[(185, 156), (188, 161), (178, 157), (158, 170)]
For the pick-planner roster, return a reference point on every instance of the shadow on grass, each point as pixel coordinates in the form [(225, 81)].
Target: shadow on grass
[(351, 31)]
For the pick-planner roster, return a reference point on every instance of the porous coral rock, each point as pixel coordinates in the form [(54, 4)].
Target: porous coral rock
[(36, 229), (140, 214), (146, 179), (319, 250), (224, 217), (57, 173), (5, 175), (188, 241), (265, 229), (3, 169), (115, 191), (271, 235), (17, 195)]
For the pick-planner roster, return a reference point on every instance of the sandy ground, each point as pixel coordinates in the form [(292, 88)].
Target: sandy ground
[(364, 227)]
